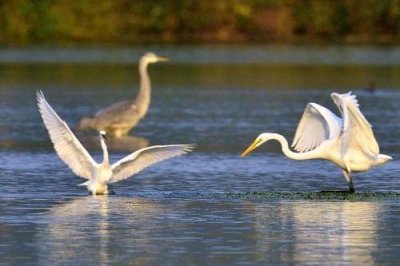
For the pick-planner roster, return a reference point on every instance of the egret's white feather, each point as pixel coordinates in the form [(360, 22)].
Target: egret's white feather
[(70, 150), (67, 146), (349, 143), (146, 157), (357, 131), (316, 125)]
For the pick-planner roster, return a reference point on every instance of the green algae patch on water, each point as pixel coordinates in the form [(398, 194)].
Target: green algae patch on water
[(284, 195), (323, 195)]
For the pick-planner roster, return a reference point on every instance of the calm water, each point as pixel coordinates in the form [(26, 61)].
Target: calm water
[(220, 98)]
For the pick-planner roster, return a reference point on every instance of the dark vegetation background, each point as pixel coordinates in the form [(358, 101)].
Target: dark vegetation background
[(137, 21)]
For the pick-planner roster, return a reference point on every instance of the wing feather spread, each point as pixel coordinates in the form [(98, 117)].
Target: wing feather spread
[(357, 131), (316, 125), (143, 158), (67, 146)]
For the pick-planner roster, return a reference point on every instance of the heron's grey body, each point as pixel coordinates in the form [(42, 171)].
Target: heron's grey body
[(99, 175), (118, 119)]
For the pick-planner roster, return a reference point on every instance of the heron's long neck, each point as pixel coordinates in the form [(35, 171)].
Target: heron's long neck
[(142, 101), (294, 155), (105, 152)]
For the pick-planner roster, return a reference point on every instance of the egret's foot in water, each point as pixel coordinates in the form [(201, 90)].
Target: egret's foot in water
[(108, 192), (111, 192)]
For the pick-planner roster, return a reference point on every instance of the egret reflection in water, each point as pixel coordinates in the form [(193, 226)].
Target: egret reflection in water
[(84, 222), (340, 231)]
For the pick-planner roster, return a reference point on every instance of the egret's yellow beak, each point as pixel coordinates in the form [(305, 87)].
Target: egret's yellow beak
[(251, 147), (162, 58)]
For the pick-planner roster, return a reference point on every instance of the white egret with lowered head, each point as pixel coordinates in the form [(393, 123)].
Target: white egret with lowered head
[(99, 175), (119, 118), (348, 142)]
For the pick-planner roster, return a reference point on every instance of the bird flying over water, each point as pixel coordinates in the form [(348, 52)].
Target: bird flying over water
[(118, 119), (348, 142), (99, 175)]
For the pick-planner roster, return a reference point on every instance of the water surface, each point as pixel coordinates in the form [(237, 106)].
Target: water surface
[(182, 211)]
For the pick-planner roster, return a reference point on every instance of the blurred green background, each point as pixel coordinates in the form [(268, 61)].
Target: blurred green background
[(138, 21)]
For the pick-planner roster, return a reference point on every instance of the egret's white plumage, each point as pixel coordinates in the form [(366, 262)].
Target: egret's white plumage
[(71, 151), (348, 142)]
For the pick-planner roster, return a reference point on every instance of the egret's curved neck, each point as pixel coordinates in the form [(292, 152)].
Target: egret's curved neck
[(142, 101), (314, 154), (106, 160)]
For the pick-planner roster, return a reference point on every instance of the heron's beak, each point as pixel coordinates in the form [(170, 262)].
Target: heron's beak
[(162, 58), (251, 147)]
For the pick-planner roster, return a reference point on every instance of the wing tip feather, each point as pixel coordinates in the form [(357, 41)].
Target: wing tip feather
[(188, 147), (40, 96)]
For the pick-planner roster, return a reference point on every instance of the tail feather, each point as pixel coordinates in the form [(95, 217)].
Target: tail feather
[(384, 157), (87, 183), (84, 123)]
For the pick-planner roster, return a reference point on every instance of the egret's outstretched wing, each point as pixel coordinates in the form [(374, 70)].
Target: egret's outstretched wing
[(357, 131), (143, 158), (316, 125), (67, 146)]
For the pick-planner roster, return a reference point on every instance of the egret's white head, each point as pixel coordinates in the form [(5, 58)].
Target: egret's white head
[(103, 134), (150, 57), (260, 140)]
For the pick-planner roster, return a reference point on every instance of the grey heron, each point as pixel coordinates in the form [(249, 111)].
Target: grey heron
[(119, 118)]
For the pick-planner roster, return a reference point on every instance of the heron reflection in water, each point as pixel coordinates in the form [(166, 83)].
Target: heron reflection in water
[(99, 175), (118, 119)]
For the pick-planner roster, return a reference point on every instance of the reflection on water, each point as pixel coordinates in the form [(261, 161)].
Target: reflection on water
[(114, 77), (210, 54), (125, 143), (83, 223), (340, 231), (119, 229)]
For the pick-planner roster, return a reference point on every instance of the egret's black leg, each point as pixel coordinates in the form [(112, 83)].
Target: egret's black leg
[(349, 180)]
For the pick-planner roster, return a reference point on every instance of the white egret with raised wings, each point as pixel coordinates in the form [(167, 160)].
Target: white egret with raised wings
[(119, 118), (99, 175), (348, 141)]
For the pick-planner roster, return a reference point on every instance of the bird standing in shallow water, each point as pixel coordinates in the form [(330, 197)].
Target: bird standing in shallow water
[(99, 175), (118, 119), (348, 142)]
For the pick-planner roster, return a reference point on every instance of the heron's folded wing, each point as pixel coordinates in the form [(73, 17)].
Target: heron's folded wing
[(146, 157), (121, 114), (316, 125), (116, 108), (67, 146), (357, 131)]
